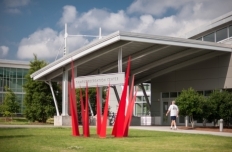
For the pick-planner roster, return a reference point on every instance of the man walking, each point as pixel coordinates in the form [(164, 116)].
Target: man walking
[(174, 111)]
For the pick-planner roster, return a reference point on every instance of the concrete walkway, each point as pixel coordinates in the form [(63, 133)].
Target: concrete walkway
[(151, 128), (167, 129)]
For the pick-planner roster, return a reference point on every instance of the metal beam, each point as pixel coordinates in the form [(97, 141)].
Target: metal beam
[(116, 93), (180, 65), (135, 56), (165, 60), (145, 95)]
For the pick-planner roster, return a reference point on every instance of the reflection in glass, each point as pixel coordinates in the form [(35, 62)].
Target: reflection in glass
[(173, 94), (221, 34), (209, 38), (230, 31), (208, 92), (165, 95)]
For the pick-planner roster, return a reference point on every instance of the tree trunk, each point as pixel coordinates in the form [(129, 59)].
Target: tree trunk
[(204, 122), (192, 121)]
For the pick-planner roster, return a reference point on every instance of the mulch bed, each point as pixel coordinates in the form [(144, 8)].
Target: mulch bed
[(207, 128)]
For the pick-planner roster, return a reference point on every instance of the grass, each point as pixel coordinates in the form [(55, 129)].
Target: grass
[(21, 121), (59, 139)]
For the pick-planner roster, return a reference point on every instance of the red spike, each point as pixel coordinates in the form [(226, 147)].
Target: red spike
[(98, 112), (105, 117)]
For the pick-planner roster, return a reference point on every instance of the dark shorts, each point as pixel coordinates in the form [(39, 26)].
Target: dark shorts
[(173, 117)]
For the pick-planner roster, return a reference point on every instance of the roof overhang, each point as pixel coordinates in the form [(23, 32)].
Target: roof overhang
[(151, 56)]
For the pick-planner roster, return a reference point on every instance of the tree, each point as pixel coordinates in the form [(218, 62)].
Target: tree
[(38, 99), (190, 104), (214, 101), (225, 108), (10, 104)]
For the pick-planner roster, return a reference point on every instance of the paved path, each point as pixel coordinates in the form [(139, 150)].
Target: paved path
[(152, 128), (167, 129)]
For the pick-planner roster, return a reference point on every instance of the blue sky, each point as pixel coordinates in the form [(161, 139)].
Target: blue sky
[(37, 26)]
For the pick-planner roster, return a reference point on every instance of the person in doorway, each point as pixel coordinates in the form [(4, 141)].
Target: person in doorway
[(174, 111)]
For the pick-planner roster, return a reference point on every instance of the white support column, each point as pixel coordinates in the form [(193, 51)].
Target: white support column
[(120, 60), (65, 93), (54, 98), (100, 93), (186, 121)]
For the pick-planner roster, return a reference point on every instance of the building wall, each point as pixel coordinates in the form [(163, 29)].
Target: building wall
[(212, 74)]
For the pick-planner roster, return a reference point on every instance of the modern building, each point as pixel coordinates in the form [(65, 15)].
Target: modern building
[(201, 60), (12, 75)]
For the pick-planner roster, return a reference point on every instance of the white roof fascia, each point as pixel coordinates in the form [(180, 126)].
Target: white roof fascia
[(182, 43), (14, 64), (74, 57)]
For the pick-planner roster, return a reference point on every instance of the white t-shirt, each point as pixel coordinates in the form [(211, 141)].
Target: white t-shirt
[(173, 110)]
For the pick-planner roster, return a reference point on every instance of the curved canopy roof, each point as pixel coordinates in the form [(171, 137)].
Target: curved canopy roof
[(151, 56)]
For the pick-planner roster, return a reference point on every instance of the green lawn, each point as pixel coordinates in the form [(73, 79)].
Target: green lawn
[(20, 121), (61, 140)]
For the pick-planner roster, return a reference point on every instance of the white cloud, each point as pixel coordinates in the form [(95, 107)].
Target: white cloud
[(13, 11), (46, 44), (155, 7), (69, 14), (142, 16), (3, 51), (13, 6), (16, 3)]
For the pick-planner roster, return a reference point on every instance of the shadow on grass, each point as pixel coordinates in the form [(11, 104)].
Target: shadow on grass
[(14, 136)]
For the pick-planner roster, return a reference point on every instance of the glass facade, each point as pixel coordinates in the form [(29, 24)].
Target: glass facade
[(14, 78)]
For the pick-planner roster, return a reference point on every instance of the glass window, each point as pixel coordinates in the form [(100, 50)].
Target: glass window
[(208, 92), (13, 73), (230, 31), (25, 71), (138, 98), (200, 92), (165, 95), (6, 72), (221, 34), (13, 85), (19, 73), (173, 94), (5, 83), (19, 85), (209, 38), (138, 109), (1, 72)]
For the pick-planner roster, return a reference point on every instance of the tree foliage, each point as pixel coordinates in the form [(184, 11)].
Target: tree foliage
[(38, 99), (220, 103), (190, 104), (212, 108), (10, 104)]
